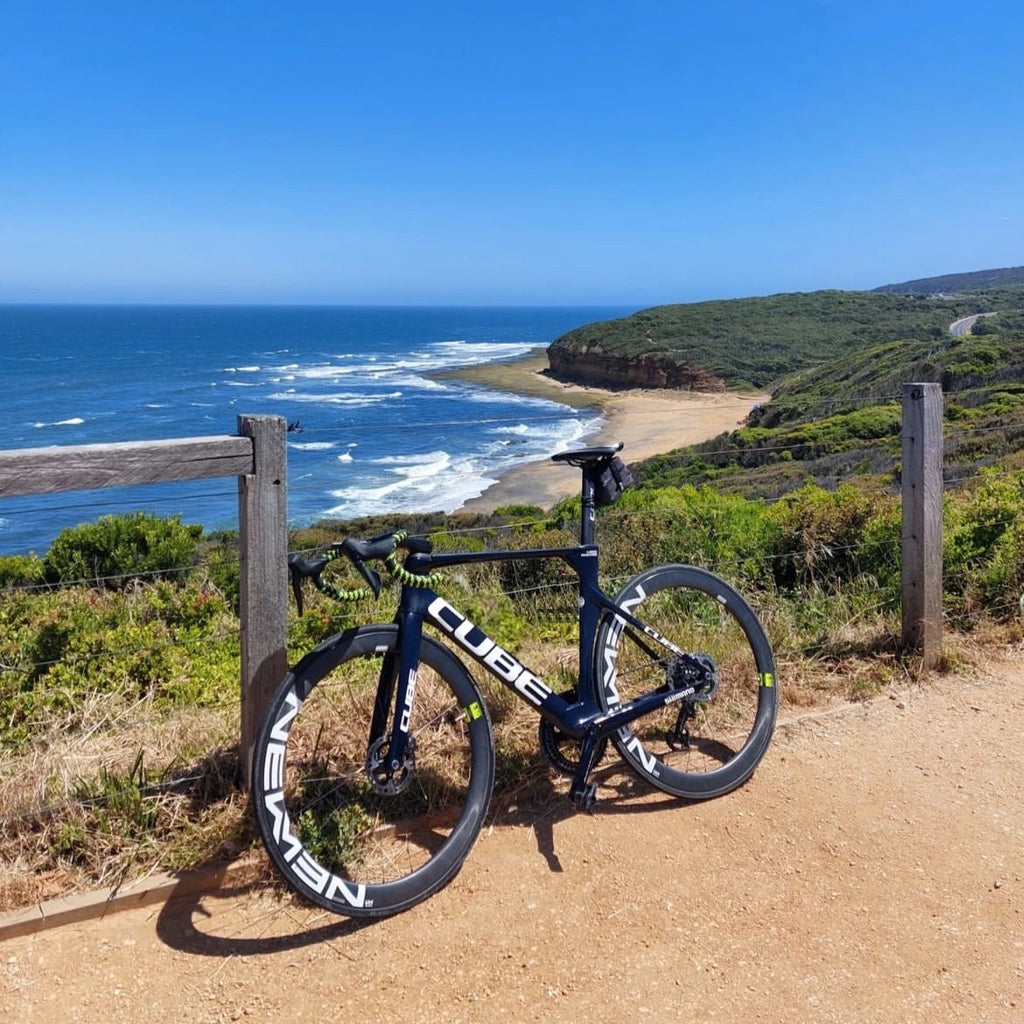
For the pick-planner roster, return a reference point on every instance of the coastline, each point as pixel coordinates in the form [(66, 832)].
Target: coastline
[(648, 422)]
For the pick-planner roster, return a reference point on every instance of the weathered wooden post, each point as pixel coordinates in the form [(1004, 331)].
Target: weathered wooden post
[(263, 543), (922, 521)]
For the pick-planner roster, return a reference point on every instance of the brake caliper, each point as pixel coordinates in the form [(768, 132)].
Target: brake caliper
[(386, 780)]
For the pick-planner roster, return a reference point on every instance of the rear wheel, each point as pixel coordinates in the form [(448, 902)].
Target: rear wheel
[(344, 834), (703, 743)]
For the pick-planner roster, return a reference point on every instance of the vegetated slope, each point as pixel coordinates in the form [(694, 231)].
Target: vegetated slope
[(751, 342), (949, 283), (840, 421)]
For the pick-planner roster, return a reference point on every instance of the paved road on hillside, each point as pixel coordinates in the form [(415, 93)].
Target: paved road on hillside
[(958, 328)]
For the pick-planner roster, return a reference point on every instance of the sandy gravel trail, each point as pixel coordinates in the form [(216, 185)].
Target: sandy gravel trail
[(871, 871)]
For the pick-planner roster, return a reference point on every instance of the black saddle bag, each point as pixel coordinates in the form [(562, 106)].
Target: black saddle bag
[(614, 479)]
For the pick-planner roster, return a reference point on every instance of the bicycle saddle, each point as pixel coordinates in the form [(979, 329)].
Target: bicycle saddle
[(583, 456)]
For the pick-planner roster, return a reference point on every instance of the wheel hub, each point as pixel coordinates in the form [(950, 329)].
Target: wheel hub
[(387, 780)]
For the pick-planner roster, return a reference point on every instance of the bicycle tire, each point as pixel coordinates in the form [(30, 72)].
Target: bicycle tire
[(728, 732), (337, 838)]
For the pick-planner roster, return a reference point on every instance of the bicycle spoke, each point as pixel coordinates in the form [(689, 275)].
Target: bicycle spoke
[(709, 740)]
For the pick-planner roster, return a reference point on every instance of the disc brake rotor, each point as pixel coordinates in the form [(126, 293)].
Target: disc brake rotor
[(386, 780)]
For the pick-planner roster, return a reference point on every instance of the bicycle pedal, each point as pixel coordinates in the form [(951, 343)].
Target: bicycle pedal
[(585, 797)]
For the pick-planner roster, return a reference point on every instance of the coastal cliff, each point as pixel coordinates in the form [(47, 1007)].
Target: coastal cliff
[(645, 370), (633, 352), (754, 343)]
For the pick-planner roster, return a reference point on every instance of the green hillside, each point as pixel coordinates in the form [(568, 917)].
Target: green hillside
[(754, 342), (950, 283), (840, 421), (834, 363)]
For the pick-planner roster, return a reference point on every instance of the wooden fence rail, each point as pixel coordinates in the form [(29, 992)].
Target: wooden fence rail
[(257, 456)]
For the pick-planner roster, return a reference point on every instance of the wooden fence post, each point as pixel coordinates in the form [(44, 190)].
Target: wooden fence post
[(263, 542), (922, 521)]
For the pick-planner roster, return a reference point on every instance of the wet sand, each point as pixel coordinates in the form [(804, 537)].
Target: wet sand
[(648, 422)]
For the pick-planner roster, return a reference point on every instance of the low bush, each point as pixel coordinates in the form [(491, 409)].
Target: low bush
[(115, 550), (21, 571)]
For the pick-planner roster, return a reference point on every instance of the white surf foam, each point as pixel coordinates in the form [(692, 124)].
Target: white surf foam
[(74, 421), (349, 398)]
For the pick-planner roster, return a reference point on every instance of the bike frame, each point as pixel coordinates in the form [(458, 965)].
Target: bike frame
[(583, 719)]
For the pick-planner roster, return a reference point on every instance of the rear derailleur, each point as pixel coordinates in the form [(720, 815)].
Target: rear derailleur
[(697, 677)]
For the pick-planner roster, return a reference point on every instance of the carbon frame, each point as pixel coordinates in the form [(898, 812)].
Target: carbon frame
[(583, 719)]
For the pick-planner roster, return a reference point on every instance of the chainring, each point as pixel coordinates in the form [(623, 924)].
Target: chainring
[(562, 750)]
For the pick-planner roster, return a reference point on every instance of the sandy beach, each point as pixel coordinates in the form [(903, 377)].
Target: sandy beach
[(648, 422)]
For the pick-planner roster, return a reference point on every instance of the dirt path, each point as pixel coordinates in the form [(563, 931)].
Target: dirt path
[(870, 871)]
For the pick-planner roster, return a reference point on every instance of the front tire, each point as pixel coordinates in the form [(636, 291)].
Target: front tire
[(341, 839)]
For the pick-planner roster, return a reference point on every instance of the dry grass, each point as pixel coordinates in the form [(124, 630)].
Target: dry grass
[(131, 791)]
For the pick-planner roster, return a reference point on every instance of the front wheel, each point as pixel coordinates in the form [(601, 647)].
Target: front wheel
[(341, 834), (700, 635)]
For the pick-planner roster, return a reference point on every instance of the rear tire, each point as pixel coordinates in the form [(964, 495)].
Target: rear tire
[(727, 733), (339, 839)]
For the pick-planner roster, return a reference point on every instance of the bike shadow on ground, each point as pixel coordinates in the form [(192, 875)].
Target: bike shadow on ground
[(260, 917), (546, 803), (252, 918)]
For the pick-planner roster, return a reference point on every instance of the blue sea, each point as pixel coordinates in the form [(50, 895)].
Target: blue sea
[(375, 432)]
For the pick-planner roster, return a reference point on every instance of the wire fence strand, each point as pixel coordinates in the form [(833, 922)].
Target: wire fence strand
[(873, 553)]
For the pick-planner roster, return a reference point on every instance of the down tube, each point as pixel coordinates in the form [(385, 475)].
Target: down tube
[(475, 642)]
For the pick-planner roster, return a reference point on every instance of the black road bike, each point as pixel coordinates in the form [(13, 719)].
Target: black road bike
[(373, 769)]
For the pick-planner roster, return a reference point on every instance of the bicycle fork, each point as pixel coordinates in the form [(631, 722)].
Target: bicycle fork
[(391, 752)]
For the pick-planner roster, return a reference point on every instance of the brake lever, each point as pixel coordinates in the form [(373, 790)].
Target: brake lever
[(301, 567), (371, 576), (296, 576)]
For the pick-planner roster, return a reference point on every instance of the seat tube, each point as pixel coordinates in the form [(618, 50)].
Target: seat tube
[(590, 616), (588, 509)]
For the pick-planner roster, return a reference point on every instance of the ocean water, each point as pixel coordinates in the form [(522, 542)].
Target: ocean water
[(374, 431)]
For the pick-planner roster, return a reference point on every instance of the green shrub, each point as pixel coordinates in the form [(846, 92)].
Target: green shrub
[(117, 549), (219, 559), (21, 571), (520, 512), (983, 561), (722, 532), (823, 535), (171, 645), (998, 586)]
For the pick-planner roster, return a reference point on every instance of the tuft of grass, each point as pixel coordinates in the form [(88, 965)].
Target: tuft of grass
[(134, 792)]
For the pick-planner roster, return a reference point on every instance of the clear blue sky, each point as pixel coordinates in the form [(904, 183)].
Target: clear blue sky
[(427, 151)]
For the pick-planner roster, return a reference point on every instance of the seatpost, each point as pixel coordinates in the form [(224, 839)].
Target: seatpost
[(587, 508)]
